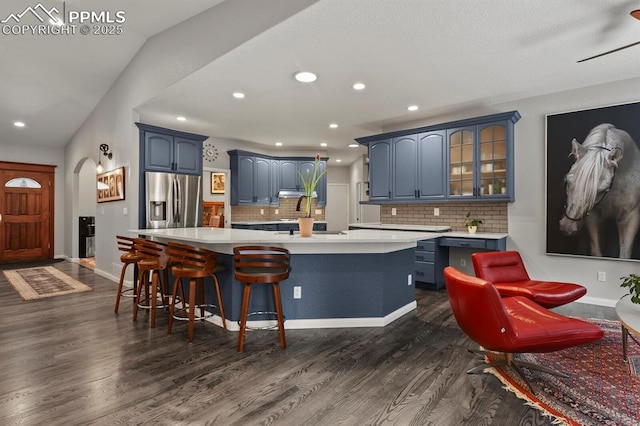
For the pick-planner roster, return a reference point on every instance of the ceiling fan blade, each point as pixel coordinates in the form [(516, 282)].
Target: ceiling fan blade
[(610, 51)]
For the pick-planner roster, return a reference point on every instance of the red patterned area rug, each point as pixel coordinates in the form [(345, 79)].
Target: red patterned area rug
[(41, 282), (602, 388)]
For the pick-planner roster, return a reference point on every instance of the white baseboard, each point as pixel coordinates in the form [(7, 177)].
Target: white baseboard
[(597, 301), (325, 322)]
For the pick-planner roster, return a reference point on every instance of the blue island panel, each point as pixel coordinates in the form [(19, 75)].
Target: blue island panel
[(333, 286)]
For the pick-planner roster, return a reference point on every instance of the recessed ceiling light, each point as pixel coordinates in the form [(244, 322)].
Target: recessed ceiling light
[(323, 144), (338, 160), (412, 107), (278, 143), (181, 118), (238, 95), (305, 77), (18, 124), (358, 86), (353, 145), (333, 125)]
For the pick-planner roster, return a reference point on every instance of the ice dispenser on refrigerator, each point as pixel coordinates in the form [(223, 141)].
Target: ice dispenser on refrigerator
[(173, 200)]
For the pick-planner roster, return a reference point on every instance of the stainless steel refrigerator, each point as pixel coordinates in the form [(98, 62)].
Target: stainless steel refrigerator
[(173, 200)]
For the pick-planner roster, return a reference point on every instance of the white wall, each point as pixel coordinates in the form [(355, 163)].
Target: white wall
[(163, 60), (527, 225)]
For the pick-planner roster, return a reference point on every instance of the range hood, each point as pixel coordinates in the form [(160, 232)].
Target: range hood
[(294, 194)]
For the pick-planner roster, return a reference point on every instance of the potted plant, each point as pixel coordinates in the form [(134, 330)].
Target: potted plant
[(471, 223), (309, 182), (632, 282)]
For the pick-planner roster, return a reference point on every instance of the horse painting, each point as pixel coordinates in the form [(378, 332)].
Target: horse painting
[(604, 183)]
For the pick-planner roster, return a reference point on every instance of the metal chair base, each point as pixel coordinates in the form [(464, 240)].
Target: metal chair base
[(506, 359)]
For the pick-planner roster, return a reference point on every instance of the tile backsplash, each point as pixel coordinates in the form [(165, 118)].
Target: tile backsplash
[(286, 210), (492, 214)]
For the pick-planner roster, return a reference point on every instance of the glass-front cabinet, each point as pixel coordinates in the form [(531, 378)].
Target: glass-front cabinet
[(478, 161), (461, 162), (493, 160)]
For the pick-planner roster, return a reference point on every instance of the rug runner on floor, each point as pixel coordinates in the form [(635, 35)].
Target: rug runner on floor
[(41, 282)]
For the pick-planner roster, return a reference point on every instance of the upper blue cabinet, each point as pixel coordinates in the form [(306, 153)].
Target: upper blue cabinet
[(250, 179), (256, 179), (166, 150), (467, 159)]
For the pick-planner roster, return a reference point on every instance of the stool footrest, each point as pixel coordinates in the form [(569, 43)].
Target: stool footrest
[(178, 311), (266, 327), (146, 304), (128, 292)]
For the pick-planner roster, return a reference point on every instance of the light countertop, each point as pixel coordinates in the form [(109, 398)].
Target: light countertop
[(403, 227), (271, 222), (224, 239)]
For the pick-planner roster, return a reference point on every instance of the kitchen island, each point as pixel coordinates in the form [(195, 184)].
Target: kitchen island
[(359, 278)]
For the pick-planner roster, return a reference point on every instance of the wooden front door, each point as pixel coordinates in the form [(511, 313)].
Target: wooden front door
[(26, 212)]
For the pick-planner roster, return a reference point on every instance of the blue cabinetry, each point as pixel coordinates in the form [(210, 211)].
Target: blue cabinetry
[(250, 179), (166, 150), (282, 176), (481, 161), (432, 256), (290, 180), (380, 170), (418, 165), (467, 159), (275, 182)]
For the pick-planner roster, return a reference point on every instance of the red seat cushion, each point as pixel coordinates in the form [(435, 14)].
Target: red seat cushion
[(507, 272), (546, 293), (540, 330)]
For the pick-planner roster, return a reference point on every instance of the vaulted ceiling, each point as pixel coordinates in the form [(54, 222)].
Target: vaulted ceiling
[(440, 55)]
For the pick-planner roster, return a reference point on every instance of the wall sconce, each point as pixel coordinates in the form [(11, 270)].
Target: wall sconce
[(104, 149)]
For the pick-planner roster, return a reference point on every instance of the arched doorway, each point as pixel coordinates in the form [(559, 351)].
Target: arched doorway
[(84, 206)]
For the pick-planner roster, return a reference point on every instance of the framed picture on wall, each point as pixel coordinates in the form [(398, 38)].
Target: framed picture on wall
[(217, 183), (593, 182), (111, 185)]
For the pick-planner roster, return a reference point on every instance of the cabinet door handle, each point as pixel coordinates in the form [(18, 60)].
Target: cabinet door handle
[(418, 193), (389, 194)]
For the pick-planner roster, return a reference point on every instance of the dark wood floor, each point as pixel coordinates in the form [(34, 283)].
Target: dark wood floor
[(70, 360)]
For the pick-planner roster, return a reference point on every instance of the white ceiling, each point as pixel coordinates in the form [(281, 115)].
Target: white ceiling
[(442, 55)]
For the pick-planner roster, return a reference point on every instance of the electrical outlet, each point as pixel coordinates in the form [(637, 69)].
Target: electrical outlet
[(125, 211), (297, 292), (261, 211), (277, 211), (318, 211), (436, 211), (393, 211), (409, 280), (463, 262), (602, 276)]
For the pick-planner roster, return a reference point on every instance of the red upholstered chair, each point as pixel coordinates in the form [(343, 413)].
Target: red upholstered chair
[(506, 271), (511, 324)]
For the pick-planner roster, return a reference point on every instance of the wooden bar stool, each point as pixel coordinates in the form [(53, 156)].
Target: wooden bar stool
[(195, 264), (261, 265), (153, 262), (129, 257)]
